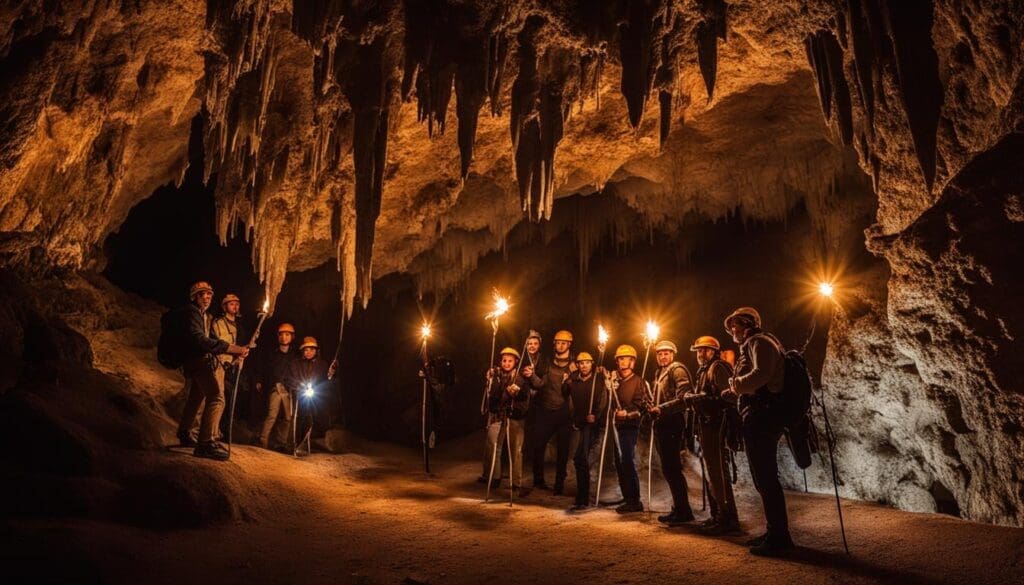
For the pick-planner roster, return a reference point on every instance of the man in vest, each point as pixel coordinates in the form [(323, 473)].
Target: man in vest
[(272, 381), (226, 328), (199, 367), (551, 413), (629, 397), (759, 377), (671, 383), (587, 402), (712, 415)]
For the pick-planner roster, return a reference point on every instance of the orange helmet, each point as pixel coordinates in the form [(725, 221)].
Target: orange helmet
[(309, 342), (563, 335), (706, 341), (286, 328), (198, 287)]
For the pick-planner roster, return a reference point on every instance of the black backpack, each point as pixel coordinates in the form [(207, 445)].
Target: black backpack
[(795, 400), (173, 344), (442, 371)]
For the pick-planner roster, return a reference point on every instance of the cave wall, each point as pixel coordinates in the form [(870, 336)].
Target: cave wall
[(316, 153)]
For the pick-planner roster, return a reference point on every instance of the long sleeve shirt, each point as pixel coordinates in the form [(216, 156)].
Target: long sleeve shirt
[(760, 365), (578, 390), (671, 383), (712, 378), (301, 371), (548, 385), (275, 367), (630, 393)]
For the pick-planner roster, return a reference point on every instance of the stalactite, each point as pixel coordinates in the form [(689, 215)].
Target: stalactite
[(712, 28), (909, 25), (863, 58), (470, 93), (826, 59), (636, 35)]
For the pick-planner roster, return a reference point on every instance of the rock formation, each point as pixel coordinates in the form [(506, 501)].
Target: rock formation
[(317, 154)]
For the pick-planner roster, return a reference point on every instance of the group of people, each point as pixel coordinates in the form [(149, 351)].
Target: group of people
[(726, 408), (286, 379)]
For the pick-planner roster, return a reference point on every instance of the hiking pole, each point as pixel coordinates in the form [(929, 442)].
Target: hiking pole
[(604, 444), (830, 438), (500, 308), (602, 340), (511, 468), (650, 336), (238, 374), (494, 457), (425, 334)]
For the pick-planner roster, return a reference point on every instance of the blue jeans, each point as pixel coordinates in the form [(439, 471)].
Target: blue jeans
[(625, 467)]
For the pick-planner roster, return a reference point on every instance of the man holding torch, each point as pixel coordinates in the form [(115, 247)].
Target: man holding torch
[(629, 396), (671, 383), (587, 407)]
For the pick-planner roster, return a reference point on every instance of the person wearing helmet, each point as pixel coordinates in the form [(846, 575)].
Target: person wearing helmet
[(759, 376), (226, 328), (551, 413), (306, 379), (713, 413), (272, 381), (198, 367), (588, 399), (507, 404), (671, 383), (629, 394)]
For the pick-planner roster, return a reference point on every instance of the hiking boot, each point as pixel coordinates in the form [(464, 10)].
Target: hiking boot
[(187, 439), (722, 526), (666, 518), (211, 450), (757, 540), (630, 507), (712, 521), (773, 547), (681, 518), (577, 507)]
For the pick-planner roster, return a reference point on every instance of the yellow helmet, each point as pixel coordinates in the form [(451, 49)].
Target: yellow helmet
[(625, 351), (510, 351), (286, 328), (706, 341), (201, 286), (584, 357), (229, 298), (746, 312), (563, 335), (665, 345), (309, 342)]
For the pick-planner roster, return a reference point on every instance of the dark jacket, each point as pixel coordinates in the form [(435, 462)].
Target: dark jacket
[(632, 397), (712, 379), (548, 385), (578, 391), (301, 371), (200, 343), (500, 403), (274, 367), (671, 383)]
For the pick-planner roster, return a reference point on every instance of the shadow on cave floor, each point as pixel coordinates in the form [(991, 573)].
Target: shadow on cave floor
[(371, 516)]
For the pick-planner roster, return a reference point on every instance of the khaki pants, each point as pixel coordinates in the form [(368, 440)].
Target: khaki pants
[(201, 382), (279, 401), (495, 439), (712, 444)]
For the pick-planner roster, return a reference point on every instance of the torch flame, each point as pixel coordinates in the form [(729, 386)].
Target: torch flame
[(826, 289), (501, 306), (425, 331), (602, 335), (652, 331), (266, 305)]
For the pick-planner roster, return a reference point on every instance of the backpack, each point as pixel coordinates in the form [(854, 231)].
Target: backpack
[(442, 371), (795, 400), (173, 344)]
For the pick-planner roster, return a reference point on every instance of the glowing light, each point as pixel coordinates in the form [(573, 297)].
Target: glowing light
[(308, 392), (266, 305), (602, 335), (425, 331), (501, 306), (826, 289), (652, 332)]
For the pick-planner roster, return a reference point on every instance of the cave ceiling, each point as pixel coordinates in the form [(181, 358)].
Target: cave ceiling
[(364, 131)]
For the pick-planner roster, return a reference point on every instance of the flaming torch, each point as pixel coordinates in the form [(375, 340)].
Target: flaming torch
[(651, 333), (602, 343), (238, 376), (501, 306), (424, 335)]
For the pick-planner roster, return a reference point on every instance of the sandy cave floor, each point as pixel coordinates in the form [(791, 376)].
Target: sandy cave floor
[(372, 516)]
